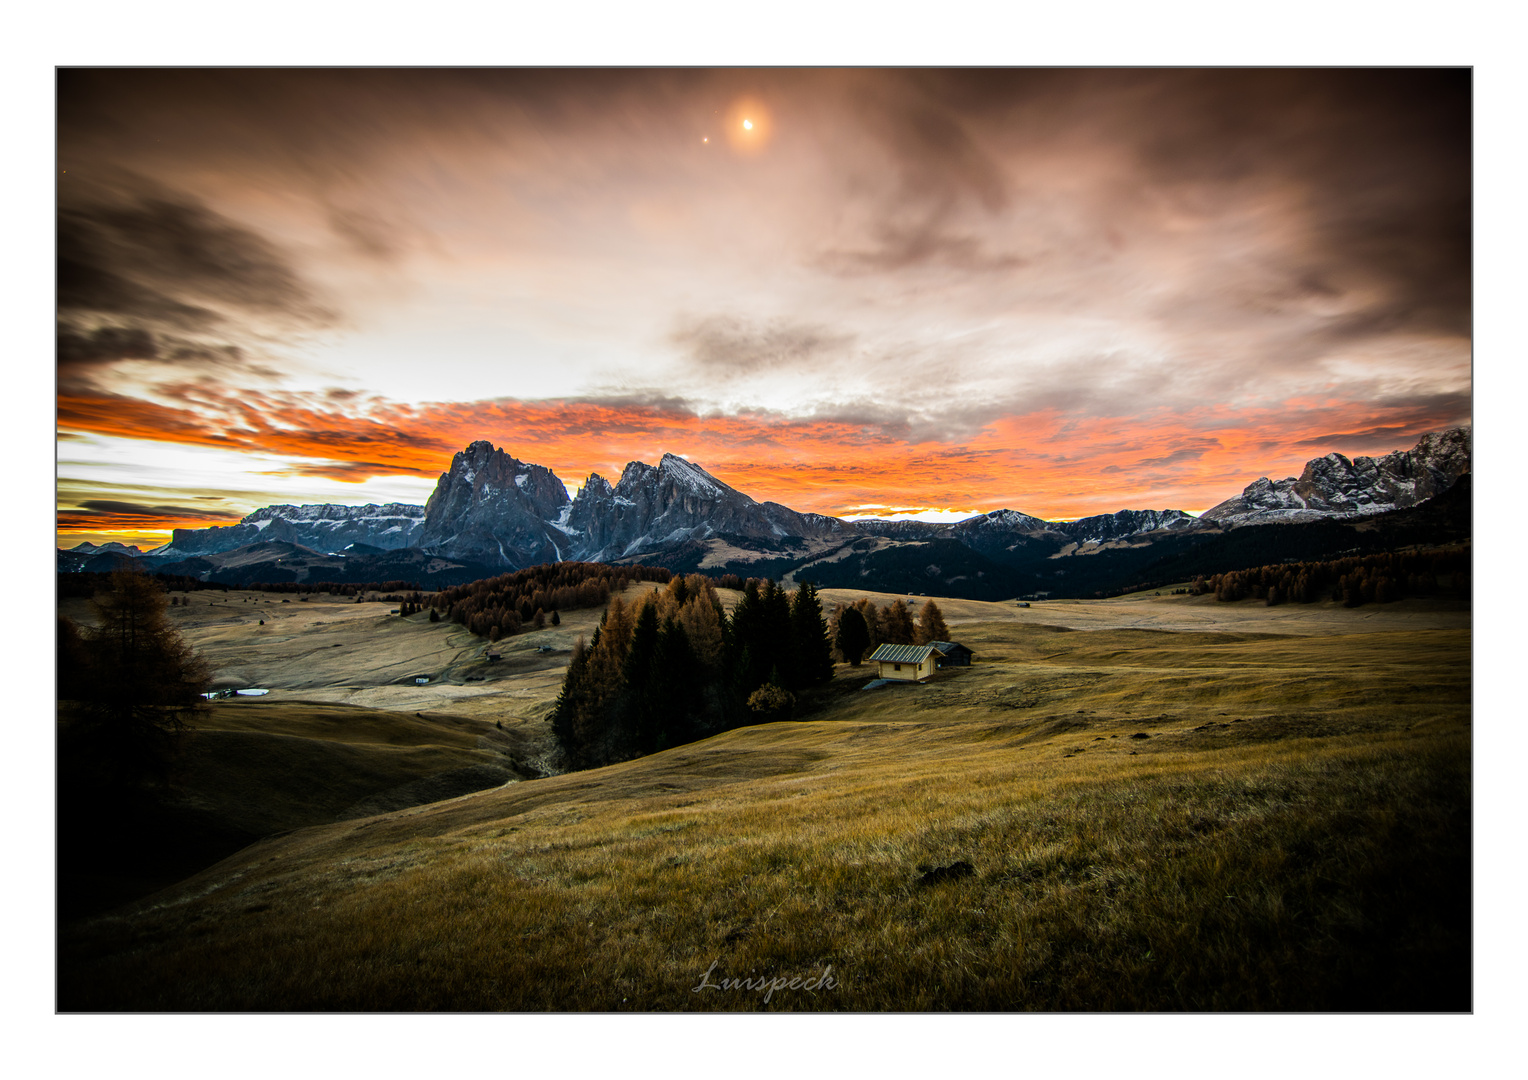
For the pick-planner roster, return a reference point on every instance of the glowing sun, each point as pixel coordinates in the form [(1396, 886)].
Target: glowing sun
[(749, 126)]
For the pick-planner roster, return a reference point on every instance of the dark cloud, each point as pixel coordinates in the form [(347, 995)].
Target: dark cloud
[(1379, 158), (365, 233), (174, 262), (110, 514), (659, 401), (1400, 431), (149, 275), (108, 506), (1370, 170), (937, 160), (948, 181), (723, 343), (85, 354), (1192, 452), (930, 242), (107, 344)]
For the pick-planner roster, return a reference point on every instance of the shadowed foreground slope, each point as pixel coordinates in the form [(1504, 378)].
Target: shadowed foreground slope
[(1153, 821), (247, 769)]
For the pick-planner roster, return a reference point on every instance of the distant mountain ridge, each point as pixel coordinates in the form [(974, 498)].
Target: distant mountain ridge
[(1334, 486), (671, 503), (321, 527), (493, 512)]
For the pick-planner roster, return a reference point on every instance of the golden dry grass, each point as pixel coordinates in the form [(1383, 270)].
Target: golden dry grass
[(1156, 820), (265, 767)]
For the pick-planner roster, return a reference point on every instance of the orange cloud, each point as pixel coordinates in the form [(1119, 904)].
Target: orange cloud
[(1044, 463)]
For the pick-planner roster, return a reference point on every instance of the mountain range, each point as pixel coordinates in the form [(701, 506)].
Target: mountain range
[(491, 513)]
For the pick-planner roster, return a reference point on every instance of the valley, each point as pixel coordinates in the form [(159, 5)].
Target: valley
[(1164, 802)]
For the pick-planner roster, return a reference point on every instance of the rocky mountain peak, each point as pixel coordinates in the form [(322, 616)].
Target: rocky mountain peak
[(691, 475), (1336, 486), (494, 509), (595, 486), (634, 475)]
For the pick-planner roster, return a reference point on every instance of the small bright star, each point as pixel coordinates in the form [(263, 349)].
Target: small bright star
[(748, 125)]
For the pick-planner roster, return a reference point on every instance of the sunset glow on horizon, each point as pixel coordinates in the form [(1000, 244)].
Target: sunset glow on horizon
[(873, 291)]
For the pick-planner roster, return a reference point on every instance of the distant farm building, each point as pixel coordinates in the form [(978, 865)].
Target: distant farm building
[(421, 680), (954, 654), (909, 663), (914, 663)]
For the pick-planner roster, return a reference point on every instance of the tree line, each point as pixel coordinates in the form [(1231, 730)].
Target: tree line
[(499, 606), (83, 584), (860, 628), (337, 588), (672, 666), (1353, 581)]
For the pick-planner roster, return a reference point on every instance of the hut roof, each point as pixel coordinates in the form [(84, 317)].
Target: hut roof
[(948, 647), (903, 654)]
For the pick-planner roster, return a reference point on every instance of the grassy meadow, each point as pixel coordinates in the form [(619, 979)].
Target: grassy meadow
[(1163, 803)]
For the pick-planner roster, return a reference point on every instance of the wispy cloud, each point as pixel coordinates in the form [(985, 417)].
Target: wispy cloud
[(1062, 291)]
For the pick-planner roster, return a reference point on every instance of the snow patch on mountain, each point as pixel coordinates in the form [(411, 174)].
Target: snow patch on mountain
[(1334, 486)]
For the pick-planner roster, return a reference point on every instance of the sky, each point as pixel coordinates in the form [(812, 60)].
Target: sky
[(853, 291)]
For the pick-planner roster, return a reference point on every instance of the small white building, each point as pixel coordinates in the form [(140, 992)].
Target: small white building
[(910, 663)]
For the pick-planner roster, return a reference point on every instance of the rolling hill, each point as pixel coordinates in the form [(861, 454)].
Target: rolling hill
[(1159, 803)]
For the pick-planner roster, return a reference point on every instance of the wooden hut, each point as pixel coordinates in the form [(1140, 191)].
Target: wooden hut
[(908, 663), (953, 654)]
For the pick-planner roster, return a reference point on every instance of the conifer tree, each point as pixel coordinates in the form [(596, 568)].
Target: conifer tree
[(571, 702), (809, 638), (931, 625), (749, 633), (673, 705), (899, 624), (140, 677), (702, 619), (775, 640), (875, 625), (852, 638)]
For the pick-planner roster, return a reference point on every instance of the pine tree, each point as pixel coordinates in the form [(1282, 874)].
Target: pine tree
[(748, 632), (638, 714), (852, 638), (571, 702), (875, 625), (931, 625), (702, 617), (809, 637), (775, 639), (899, 624), (671, 713), (140, 677)]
